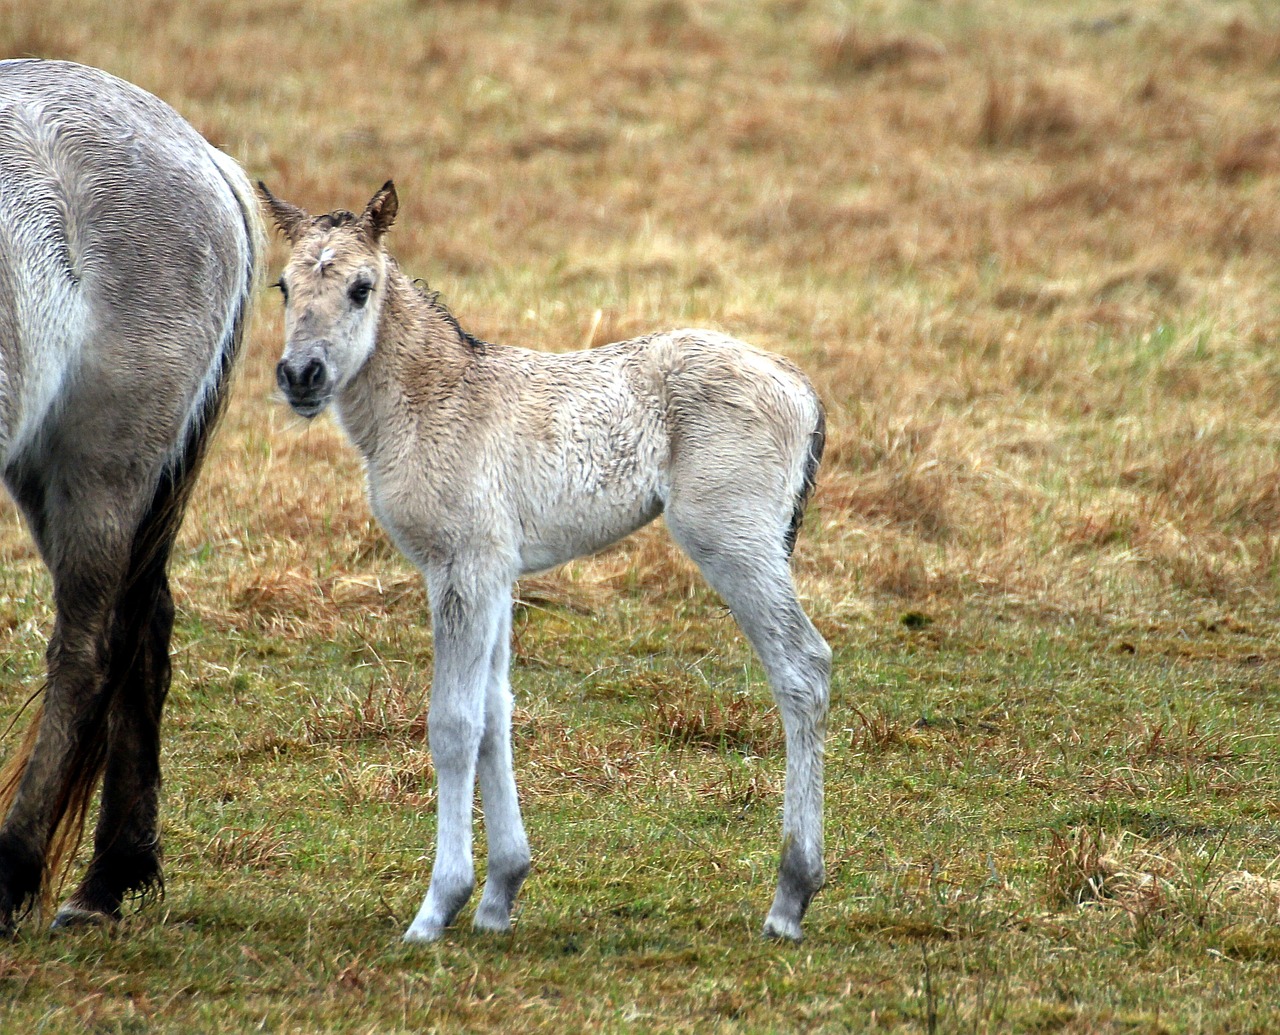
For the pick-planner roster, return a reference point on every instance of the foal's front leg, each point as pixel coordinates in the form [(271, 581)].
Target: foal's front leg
[(465, 625)]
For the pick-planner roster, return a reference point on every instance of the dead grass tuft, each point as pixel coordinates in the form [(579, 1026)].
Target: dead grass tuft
[(385, 711), (408, 780), (686, 714), (1253, 894), (1087, 867), (880, 733), (850, 51), (236, 848), (1027, 113), (1183, 742), (916, 498), (1097, 530), (568, 762)]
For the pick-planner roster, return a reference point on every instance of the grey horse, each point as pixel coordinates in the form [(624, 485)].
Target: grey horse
[(129, 250)]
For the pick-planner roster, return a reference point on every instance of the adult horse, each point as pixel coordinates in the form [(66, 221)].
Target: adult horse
[(128, 255)]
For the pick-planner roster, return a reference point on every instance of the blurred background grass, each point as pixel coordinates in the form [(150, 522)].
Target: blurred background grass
[(1026, 252)]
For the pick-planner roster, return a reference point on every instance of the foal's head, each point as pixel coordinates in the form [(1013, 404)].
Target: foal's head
[(333, 287)]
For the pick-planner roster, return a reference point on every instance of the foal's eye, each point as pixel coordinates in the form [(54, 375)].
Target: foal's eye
[(284, 288), (359, 292)]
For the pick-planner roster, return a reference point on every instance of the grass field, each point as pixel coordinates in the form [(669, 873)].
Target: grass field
[(1027, 253)]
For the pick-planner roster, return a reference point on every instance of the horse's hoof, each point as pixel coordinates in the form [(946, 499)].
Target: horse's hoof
[(71, 916), (492, 921)]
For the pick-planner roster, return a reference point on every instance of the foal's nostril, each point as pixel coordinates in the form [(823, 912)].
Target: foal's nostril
[(312, 375)]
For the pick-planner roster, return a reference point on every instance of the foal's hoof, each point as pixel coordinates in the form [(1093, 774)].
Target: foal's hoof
[(491, 922), (71, 916), (420, 932), (782, 930)]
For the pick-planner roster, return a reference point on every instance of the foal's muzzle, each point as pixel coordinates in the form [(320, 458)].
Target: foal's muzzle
[(305, 383)]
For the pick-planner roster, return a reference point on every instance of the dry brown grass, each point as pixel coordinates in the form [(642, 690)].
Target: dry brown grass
[(261, 849), (941, 240), (686, 715)]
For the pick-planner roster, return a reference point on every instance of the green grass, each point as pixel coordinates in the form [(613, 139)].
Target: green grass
[(299, 813)]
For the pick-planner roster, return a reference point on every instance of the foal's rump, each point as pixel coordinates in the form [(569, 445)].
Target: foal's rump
[(125, 262), (744, 426)]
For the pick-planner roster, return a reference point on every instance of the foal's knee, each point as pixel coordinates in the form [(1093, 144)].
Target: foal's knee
[(454, 740)]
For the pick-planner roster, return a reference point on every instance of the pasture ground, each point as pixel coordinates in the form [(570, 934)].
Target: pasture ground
[(1027, 253)]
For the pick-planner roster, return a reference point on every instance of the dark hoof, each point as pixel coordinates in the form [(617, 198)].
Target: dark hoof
[(71, 916)]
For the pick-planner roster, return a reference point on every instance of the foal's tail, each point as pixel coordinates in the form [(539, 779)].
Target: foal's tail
[(144, 584), (817, 443)]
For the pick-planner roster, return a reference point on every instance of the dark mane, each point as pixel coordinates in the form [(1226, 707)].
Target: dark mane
[(432, 300), (333, 220)]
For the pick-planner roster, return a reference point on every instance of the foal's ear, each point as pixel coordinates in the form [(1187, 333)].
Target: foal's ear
[(289, 218), (380, 213)]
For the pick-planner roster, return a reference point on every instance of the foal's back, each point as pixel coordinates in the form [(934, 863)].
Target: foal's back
[(586, 447)]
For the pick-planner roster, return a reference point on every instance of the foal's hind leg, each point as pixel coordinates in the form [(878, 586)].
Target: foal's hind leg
[(751, 573), (126, 856), (504, 829)]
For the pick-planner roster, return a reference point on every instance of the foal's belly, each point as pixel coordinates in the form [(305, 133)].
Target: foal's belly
[(596, 524)]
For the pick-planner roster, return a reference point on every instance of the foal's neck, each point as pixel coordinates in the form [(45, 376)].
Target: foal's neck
[(420, 355)]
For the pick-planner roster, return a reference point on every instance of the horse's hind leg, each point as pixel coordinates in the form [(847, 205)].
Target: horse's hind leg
[(81, 537), (126, 855), (749, 570)]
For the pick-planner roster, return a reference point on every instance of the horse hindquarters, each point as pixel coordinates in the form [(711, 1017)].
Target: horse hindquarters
[(151, 240)]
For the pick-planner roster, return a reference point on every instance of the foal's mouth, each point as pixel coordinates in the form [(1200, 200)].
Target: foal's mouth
[(308, 408)]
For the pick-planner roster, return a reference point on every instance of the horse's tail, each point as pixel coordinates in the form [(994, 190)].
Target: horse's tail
[(149, 555), (813, 457)]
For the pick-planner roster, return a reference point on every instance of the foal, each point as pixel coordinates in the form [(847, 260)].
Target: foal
[(486, 462)]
